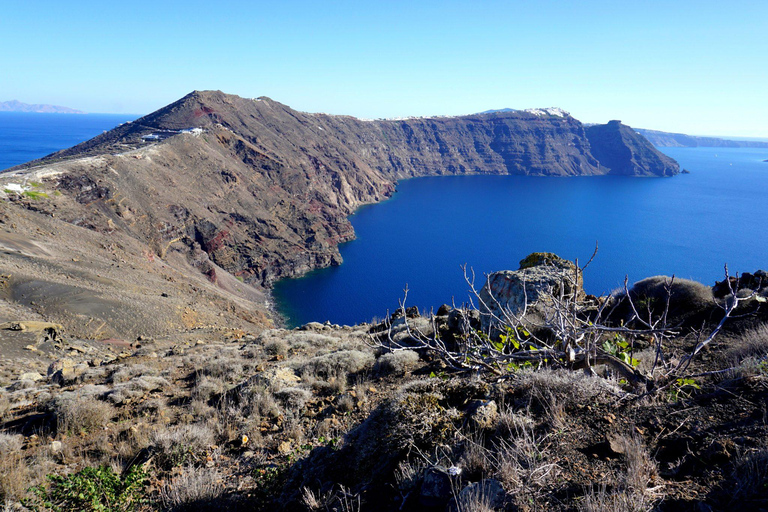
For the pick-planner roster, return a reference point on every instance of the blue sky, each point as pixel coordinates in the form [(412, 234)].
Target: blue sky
[(698, 67)]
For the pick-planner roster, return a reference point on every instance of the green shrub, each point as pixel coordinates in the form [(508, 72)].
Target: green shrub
[(92, 489)]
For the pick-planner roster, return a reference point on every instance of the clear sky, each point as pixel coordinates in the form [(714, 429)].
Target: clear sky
[(691, 66)]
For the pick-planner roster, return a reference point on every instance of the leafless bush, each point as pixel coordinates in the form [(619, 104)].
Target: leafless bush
[(397, 363), (77, 414), (558, 326), (192, 488)]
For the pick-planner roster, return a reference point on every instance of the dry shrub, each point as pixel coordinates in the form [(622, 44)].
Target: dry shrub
[(15, 474), (520, 463), (338, 364), (346, 403), (192, 488), (568, 386), (750, 477), (631, 493), (293, 398), (206, 387), (686, 297), (181, 444), (476, 458), (749, 349), (276, 347), (311, 339), (397, 363), (81, 413), (226, 368), (124, 373), (601, 499), (135, 389), (5, 405)]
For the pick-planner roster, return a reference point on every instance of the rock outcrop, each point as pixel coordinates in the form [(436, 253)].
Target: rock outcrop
[(523, 296)]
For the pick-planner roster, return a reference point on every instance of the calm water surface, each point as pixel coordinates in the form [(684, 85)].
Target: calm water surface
[(26, 136), (689, 225)]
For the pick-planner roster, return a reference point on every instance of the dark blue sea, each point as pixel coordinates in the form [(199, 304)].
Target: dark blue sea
[(27, 136), (689, 225)]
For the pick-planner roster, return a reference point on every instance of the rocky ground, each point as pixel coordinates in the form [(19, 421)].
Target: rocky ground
[(327, 417)]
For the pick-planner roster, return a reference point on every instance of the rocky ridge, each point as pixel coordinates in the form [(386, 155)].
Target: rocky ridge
[(229, 188)]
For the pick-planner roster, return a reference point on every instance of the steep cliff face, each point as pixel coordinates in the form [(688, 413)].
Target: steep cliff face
[(624, 152), (264, 191)]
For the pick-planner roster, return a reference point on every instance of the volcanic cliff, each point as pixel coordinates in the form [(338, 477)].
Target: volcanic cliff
[(217, 186)]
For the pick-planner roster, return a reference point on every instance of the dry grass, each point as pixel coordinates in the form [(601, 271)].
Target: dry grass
[(520, 463), (181, 444), (750, 477), (749, 349), (14, 471), (192, 488), (81, 414), (632, 492)]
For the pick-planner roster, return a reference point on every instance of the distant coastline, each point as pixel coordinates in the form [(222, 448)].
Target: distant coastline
[(680, 140), (37, 108)]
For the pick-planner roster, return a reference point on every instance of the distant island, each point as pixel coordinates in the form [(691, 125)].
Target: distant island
[(17, 106), (680, 140)]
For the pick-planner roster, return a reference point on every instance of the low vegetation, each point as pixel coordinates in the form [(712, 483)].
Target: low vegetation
[(412, 413)]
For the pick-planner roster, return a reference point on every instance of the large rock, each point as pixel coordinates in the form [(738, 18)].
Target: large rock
[(437, 487), (65, 371), (527, 294)]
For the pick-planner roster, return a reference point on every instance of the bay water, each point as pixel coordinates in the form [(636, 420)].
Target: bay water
[(689, 225)]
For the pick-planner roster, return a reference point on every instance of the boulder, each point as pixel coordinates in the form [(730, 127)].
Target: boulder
[(65, 371), (483, 414), (436, 488), (527, 293), (33, 376)]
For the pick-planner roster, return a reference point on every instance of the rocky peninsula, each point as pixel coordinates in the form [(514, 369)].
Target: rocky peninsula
[(228, 194)]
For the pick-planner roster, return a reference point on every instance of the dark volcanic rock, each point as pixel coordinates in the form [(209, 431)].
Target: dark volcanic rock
[(625, 152)]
